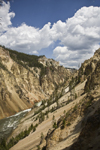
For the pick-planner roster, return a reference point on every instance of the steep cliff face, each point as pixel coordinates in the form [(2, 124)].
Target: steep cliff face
[(74, 118), (93, 78), (85, 134), (90, 135), (54, 75), (93, 81), (89, 66), (25, 80), (16, 91)]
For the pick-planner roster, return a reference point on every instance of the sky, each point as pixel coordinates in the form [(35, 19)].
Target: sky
[(65, 30)]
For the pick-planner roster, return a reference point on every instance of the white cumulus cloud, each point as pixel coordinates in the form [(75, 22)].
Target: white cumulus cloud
[(5, 17), (79, 35)]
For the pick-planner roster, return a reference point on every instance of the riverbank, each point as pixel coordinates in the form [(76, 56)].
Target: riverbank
[(7, 125)]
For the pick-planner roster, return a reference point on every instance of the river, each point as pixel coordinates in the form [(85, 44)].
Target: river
[(7, 125)]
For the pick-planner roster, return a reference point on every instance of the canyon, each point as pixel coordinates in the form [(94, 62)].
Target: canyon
[(68, 117)]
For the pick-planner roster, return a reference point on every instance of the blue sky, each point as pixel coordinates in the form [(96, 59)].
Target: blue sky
[(37, 13), (65, 30)]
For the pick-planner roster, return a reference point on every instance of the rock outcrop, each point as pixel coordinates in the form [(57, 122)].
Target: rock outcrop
[(89, 66), (90, 135), (88, 109), (75, 123), (25, 79)]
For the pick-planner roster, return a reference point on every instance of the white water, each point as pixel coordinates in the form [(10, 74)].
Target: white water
[(10, 123), (27, 110)]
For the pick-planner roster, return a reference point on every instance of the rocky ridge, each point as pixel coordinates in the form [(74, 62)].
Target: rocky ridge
[(72, 120), (22, 83), (85, 133)]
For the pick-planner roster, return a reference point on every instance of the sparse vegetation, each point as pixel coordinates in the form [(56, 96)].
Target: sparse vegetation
[(87, 90), (63, 124), (54, 122), (13, 141), (75, 108), (42, 137), (38, 147), (88, 102), (68, 124), (55, 125), (75, 96), (41, 117)]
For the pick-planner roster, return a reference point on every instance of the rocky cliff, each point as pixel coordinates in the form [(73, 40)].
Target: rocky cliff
[(70, 121), (89, 65), (79, 128), (26, 79)]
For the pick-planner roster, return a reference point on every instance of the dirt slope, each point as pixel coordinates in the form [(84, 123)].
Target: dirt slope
[(34, 138)]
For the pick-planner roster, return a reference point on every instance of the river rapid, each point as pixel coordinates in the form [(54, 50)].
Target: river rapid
[(7, 125)]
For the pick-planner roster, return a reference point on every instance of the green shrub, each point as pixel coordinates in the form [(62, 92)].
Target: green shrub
[(75, 108), (75, 96), (63, 124), (68, 124), (55, 125)]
